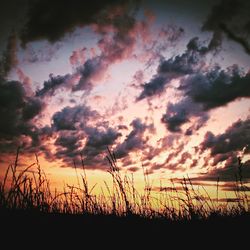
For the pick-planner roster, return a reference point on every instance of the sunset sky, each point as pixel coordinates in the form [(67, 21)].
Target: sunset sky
[(164, 84)]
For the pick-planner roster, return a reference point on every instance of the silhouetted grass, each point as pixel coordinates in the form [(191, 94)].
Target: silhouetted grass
[(28, 192)]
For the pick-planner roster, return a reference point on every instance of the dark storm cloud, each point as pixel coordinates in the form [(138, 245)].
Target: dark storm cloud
[(225, 147), (217, 87), (51, 20), (134, 140), (73, 118), (51, 85), (187, 63), (176, 116), (230, 172), (68, 139), (68, 145), (204, 91), (100, 138), (32, 108), (231, 18), (11, 21), (17, 111), (92, 68), (9, 57), (181, 112), (98, 141), (81, 131), (154, 87), (95, 148), (235, 138)]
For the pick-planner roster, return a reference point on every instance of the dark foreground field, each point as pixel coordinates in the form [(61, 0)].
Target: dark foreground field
[(22, 227), (31, 215)]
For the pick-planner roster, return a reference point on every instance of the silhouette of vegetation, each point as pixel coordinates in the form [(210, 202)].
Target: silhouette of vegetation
[(29, 190), (29, 209)]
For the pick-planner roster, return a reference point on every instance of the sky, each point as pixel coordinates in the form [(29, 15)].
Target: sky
[(164, 84)]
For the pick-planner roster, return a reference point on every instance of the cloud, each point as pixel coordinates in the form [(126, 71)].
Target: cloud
[(67, 126), (228, 173), (44, 53), (82, 79), (52, 20), (53, 83), (68, 145), (68, 139), (184, 157), (134, 140), (167, 142), (231, 186), (203, 88), (78, 57), (98, 141), (74, 118), (203, 91), (181, 112), (154, 87), (119, 46), (101, 138), (232, 19), (82, 131), (225, 148), (93, 69), (119, 32), (217, 87), (173, 155), (26, 81), (18, 110), (9, 57), (187, 63), (235, 138)]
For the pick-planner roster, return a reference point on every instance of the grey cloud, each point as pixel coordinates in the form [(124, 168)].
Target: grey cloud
[(17, 109), (217, 87), (134, 139), (224, 148), (52, 20), (51, 85), (73, 126), (180, 113), (235, 138), (73, 118), (204, 91), (232, 19), (9, 57), (92, 68), (187, 63)]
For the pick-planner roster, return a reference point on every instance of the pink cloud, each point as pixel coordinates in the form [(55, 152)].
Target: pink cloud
[(78, 57)]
